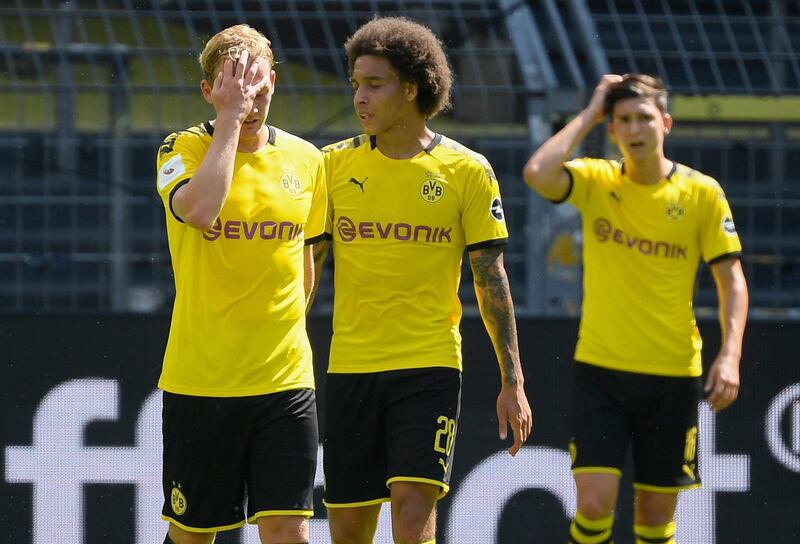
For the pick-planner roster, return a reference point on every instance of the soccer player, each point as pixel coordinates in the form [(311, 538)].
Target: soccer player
[(243, 203), (647, 222), (404, 204)]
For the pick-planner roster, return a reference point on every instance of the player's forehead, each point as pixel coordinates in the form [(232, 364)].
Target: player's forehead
[(373, 67), (638, 104), (263, 63)]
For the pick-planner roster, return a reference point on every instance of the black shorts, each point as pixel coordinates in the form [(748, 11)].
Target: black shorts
[(384, 427), (655, 415), (216, 450)]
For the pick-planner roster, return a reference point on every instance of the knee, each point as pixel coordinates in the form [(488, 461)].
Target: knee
[(413, 519), (353, 526), (176, 535), (349, 532), (595, 505), (275, 529)]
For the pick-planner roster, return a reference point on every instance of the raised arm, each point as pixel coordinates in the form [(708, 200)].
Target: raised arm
[(199, 202), (722, 383), (543, 171), (497, 312)]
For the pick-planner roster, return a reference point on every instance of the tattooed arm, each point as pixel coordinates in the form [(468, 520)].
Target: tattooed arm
[(497, 312), (318, 252)]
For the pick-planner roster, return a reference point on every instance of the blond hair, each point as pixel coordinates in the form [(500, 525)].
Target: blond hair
[(230, 43)]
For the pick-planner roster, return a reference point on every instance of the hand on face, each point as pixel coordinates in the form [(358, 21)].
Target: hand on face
[(238, 85)]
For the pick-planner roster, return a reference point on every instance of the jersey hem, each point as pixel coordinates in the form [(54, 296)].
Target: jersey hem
[(344, 369), (228, 393), (688, 373)]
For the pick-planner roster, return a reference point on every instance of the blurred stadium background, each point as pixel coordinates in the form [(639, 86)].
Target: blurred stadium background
[(88, 89)]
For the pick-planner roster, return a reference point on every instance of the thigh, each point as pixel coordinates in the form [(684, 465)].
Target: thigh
[(283, 455), (422, 409), (354, 445), (665, 435), (203, 462), (601, 426)]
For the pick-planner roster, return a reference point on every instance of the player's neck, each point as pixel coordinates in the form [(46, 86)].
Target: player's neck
[(254, 142), (648, 171), (405, 139)]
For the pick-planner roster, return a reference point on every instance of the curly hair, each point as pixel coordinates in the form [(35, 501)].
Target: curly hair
[(636, 86), (414, 51), (230, 43)]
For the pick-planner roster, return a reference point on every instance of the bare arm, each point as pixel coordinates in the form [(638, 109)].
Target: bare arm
[(543, 171), (199, 202), (722, 384), (497, 311), (309, 280), (319, 251)]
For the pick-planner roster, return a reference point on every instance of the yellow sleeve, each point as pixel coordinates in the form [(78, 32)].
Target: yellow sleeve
[(178, 159), (327, 155), (483, 218), (582, 173), (317, 217), (718, 236)]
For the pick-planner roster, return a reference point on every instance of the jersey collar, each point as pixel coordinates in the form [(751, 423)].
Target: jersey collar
[(270, 138), (437, 138)]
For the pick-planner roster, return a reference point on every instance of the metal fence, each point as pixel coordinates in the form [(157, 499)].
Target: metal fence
[(89, 88)]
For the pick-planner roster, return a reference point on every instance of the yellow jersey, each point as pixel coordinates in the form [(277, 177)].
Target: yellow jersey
[(399, 230), (642, 245), (238, 321)]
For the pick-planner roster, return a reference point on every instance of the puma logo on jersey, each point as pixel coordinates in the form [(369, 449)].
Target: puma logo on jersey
[(359, 183)]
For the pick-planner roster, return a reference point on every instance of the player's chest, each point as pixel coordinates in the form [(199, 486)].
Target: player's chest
[(277, 191), (668, 213), (383, 193)]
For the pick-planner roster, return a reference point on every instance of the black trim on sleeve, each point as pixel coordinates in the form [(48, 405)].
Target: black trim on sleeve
[(172, 193), (732, 255), (487, 243), (328, 236), (569, 189), (315, 239)]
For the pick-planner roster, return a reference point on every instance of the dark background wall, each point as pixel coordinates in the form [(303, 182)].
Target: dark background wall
[(46, 354)]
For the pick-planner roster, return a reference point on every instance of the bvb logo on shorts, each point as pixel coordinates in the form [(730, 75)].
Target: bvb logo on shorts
[(178, 500), (432, 188)]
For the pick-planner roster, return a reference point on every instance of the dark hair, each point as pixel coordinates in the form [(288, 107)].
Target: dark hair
[(414, 51), (636, 86)]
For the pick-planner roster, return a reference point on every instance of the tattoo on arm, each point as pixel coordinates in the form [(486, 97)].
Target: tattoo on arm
[(497, 308)]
